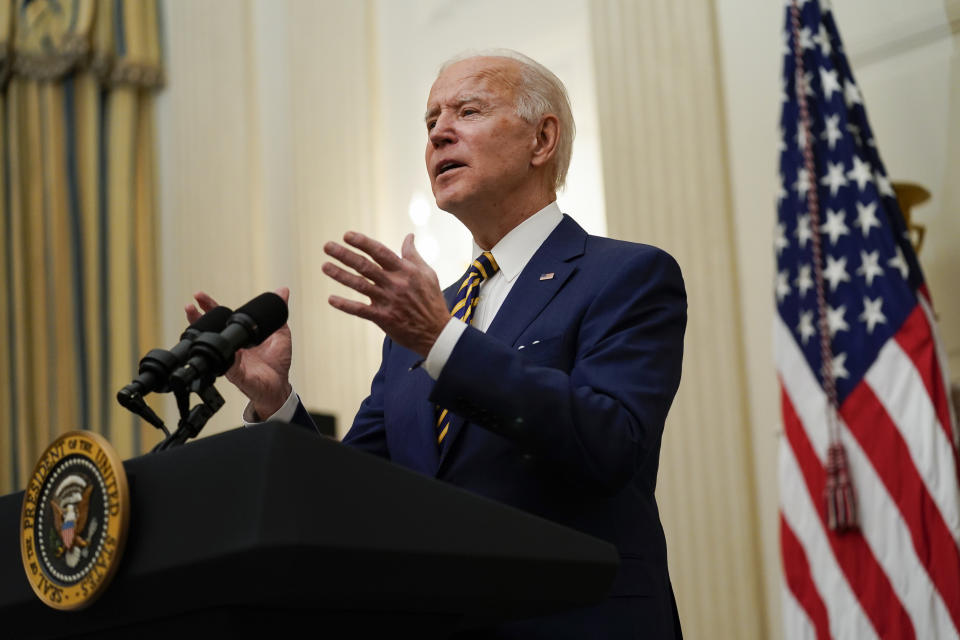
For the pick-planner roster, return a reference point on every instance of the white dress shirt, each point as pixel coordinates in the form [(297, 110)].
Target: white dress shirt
[(512, 254)]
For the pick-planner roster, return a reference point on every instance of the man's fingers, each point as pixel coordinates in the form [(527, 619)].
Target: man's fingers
[(409, 251), (376, 250), (352, 307), (284, 293), (355, 282), (355, 261), (193, 314), (205, 301)]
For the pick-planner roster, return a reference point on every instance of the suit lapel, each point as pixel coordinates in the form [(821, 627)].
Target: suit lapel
[(546, 273), (534, 288)]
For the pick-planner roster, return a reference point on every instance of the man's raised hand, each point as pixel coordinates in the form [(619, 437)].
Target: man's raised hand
[(405, 296), (262, 373)]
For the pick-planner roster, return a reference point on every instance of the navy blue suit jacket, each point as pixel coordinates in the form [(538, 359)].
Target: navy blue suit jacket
[(558, 410)]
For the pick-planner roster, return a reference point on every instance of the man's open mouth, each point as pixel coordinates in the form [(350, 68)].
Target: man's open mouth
[(448, 166)]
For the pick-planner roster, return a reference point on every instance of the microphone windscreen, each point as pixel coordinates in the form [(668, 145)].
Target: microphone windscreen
[(268, 312), (213, 320)]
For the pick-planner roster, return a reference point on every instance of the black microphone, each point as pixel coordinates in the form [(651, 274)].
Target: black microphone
[(211, 354), (158, 364)]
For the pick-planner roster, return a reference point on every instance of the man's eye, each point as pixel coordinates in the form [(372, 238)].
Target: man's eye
[(431, 125), (469, 111)]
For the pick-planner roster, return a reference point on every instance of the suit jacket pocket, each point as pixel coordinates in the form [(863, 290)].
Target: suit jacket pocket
[(545, 352)]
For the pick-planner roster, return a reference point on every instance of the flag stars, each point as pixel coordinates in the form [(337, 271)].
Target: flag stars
[(870, 266), (851, 94), (802, 185), (805, 328), (823, 39), (804, 280), (835, 226), (803, 232), (836, 271), (855, 132), (806, 82), (899, 263), (835, 177), (829, 82), (838, 364), (835, 319), (861, 173), (806, 38), (801, 135), (867, 217), (783, 285), (872, 314), (780, 241), (832, 132), (883, 184)]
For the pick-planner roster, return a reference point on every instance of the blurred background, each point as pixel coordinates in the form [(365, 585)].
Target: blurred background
[(217, 145)]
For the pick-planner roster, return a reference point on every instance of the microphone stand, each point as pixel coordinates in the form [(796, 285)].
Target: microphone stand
[(192, 420)]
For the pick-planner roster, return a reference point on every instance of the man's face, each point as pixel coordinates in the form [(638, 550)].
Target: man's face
[(478, 149)]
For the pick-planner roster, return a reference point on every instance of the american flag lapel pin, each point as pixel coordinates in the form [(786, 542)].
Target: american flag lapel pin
[(546, 276)]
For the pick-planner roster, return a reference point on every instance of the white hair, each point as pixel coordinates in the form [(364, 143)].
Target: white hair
[(540, 92)]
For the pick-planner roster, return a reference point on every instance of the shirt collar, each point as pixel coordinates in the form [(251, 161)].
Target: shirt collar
[(515, 249)]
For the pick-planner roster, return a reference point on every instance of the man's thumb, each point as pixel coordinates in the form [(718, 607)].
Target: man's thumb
[(409, 251)]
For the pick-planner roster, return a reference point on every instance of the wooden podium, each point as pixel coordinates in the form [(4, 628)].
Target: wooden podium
[(269, 529)]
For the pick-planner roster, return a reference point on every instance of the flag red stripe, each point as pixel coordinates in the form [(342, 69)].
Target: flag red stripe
[(864, 574), (796, 570), (881, 441), (916, 339)]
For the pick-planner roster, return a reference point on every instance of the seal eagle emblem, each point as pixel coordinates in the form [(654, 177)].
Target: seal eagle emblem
[(71, 505), (74, 520)]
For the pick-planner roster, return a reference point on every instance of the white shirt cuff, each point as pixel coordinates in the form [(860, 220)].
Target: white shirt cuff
[(283, 414), (443, 347)]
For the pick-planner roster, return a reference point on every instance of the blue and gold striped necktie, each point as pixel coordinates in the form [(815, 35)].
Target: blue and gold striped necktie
[(467, 298)]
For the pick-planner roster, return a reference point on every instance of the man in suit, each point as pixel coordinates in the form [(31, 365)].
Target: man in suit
[(548, 390)]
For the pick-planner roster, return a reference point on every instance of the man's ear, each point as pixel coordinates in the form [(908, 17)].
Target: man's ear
[(545, 143)]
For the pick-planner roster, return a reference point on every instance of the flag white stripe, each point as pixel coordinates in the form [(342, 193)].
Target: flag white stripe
[(847, 618), (944, 371), (805, 392), (901, 391), (882, 525), (796, 622)]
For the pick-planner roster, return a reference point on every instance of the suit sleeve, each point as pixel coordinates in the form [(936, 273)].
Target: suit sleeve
[(602, 419), (368, 431)]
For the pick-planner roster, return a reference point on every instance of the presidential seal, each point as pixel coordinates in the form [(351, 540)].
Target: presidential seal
[(73, 525)]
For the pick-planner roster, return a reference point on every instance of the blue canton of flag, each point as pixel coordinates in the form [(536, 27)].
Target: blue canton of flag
[(871, 274)]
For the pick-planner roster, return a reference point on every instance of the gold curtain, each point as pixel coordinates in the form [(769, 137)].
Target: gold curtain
[(78, 266)]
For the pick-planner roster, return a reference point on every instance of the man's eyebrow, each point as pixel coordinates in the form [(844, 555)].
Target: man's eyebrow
[(458, 102)]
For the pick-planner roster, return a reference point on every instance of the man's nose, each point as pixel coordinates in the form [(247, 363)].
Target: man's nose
[(442, 131)]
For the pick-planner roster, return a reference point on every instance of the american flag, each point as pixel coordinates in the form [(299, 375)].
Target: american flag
[(860, 368)]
